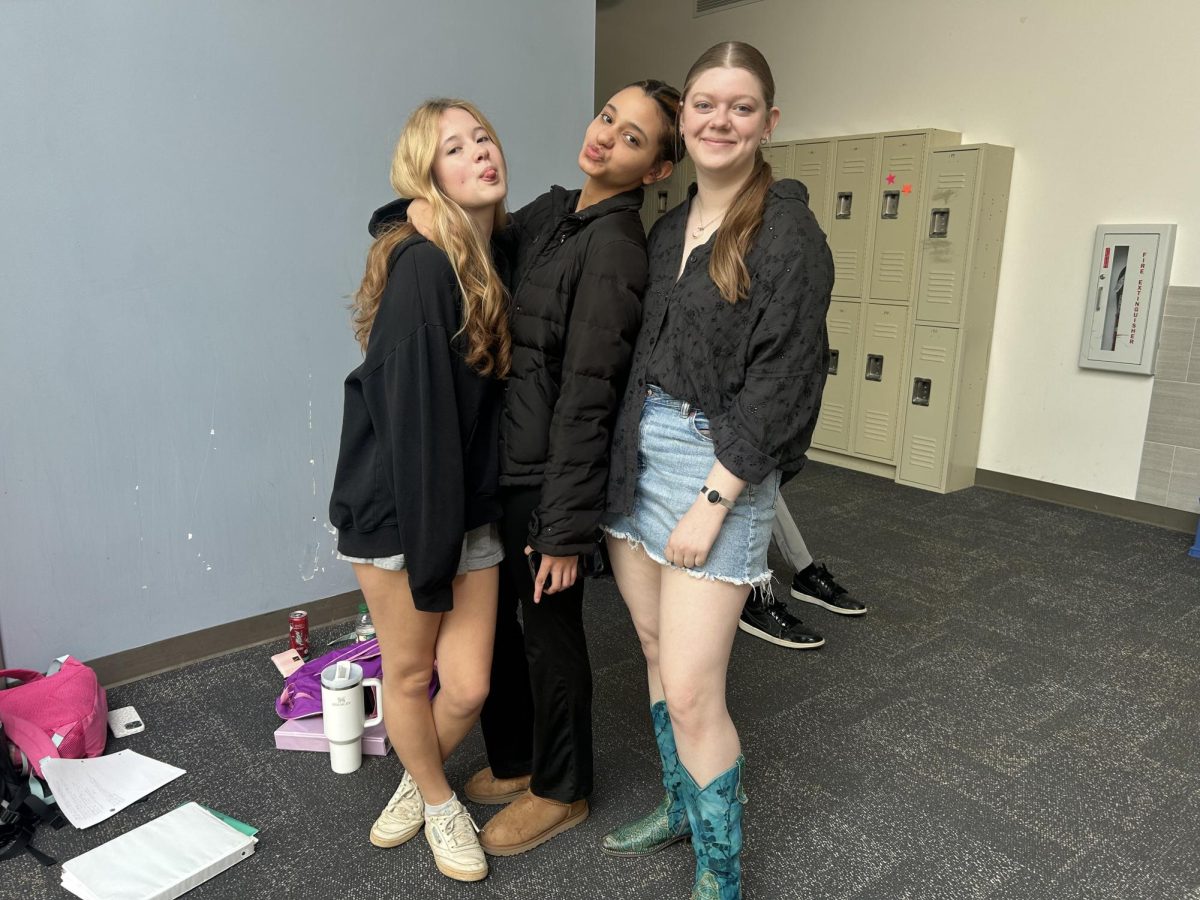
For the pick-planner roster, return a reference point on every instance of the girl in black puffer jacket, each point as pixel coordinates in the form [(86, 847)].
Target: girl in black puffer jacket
[(577, 308)]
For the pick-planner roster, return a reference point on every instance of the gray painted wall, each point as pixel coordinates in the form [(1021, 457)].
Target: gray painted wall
[(183, 206)]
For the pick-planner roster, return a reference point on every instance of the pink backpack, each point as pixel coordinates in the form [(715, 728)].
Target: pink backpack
[(63, 713)]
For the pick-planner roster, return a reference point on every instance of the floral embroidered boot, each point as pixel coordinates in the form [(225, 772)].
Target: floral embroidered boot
[(715, 813), (668, 823)]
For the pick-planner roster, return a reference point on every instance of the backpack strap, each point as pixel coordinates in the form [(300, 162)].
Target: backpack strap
[(25, 811), (31, 741), (23, 676)]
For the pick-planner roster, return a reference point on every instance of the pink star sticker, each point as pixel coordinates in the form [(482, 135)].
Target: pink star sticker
[(907, 189), (891, 179)]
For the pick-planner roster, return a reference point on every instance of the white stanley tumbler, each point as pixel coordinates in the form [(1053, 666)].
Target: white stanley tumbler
[(343, 712)]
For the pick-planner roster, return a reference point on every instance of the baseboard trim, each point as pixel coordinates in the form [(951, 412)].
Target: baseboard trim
[(172, 653), (1135, 510)]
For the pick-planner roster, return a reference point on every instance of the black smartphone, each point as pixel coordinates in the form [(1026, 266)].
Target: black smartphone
[(535, 563)]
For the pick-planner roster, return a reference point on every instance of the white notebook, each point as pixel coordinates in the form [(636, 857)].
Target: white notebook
[(160, 860)]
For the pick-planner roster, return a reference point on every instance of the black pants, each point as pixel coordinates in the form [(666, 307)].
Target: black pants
[(538, 716)]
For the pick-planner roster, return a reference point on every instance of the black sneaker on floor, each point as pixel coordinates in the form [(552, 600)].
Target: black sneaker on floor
[(769, 619), (816, 585)]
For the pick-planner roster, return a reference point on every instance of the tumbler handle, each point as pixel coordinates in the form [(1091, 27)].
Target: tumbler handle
[(378, 717)]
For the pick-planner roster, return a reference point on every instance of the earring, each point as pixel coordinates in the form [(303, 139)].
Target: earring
[(764, 141)]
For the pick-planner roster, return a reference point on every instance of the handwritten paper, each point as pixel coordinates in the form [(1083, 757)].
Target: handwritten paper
[(91, 790)]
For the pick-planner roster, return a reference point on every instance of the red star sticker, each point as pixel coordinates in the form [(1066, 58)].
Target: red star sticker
[(907, 189), (891, 179)]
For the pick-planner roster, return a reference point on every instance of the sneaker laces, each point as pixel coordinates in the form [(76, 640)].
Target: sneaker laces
[(460, 827), (779, 611), (407, 789), (825, 578)]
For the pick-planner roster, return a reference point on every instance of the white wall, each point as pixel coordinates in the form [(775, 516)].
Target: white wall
[(1047, 78), (183, 206)]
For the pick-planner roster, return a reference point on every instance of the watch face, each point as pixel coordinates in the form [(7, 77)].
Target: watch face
[(714, 497)]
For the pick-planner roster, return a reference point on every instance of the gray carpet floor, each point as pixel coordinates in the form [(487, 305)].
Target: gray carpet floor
[(1016, 717)]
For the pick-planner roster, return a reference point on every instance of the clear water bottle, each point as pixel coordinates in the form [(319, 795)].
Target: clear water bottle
[(364, 628)]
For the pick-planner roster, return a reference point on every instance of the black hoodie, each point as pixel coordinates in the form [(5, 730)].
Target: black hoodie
[(418, 466)]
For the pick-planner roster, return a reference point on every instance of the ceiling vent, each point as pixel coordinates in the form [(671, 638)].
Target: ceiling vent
[(704, 7)]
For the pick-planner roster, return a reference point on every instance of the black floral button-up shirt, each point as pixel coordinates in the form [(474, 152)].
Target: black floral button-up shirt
[(756, 367)]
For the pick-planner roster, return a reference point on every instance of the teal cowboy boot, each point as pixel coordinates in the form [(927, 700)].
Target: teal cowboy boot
[(668, 823), (715, 813)]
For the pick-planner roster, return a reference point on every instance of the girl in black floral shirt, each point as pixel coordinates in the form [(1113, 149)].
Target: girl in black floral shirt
[(722, 400)]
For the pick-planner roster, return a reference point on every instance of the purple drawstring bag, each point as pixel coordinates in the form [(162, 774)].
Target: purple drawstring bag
[(301, 696)]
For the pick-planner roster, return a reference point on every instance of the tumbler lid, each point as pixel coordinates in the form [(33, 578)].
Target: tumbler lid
[(341, 675)]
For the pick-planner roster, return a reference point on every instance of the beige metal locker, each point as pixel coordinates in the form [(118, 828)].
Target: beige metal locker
[(948, 232), (896, 213), (833, 424), (881, 367), (779, 157), (812, 163), (929, 400), (663, 196), (856, 163), (960, 264)]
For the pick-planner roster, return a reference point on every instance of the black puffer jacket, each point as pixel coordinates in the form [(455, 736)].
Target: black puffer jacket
[(575, 318)]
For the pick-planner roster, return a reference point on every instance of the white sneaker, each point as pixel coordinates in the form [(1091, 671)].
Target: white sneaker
[(402, 818), (454, 838)]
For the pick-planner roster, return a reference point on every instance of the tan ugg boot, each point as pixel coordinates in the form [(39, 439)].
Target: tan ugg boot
[(529, 821), (484, 787)]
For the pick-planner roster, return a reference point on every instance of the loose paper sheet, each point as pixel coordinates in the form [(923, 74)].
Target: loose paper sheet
[(90, 790)]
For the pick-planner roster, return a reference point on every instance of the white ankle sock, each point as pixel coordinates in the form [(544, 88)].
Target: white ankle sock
[(437, 809)]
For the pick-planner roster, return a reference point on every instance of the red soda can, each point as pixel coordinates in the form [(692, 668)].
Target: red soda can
[(298, 632)]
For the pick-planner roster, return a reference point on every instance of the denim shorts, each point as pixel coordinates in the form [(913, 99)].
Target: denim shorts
[(675, 455), (481, 550)]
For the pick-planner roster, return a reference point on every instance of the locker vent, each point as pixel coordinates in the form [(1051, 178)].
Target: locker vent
[(877, 426), (933, 354), (902, 163), (810, 169), (854, 167), (939, 287), (833, 416), (838, 326), (952, 181), (704, 7), (922, 452), (886, 331), (892, 266), (845, 263)]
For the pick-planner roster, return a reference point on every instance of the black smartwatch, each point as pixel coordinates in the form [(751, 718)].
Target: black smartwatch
[(712, 495)]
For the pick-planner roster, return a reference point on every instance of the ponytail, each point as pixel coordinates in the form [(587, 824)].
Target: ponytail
[(727, 266)]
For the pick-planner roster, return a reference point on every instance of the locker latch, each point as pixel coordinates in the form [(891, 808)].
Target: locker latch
[(939, 223), (921, 389), (874, 367), (662, 202), (833, 361), (844, 201), (891, 205)]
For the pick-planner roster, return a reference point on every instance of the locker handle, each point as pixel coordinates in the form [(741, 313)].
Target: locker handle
[(833, 361), (662, 202), (891, 205), (845, 199), (939, 223), (921, 390), (874, 367)]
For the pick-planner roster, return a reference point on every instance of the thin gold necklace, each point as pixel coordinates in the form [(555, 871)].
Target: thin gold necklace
[(699, 229)]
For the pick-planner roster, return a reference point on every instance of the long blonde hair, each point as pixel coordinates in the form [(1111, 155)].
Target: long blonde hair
[(727, 265), (484, 303)]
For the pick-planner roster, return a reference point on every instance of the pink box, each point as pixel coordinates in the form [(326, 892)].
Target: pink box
[(309, 734)]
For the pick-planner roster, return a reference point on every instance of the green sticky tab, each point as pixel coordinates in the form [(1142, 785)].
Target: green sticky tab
[(245, 829)]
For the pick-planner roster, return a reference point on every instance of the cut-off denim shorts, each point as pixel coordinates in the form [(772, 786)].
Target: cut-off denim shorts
[(481, 550), (675, 455)]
